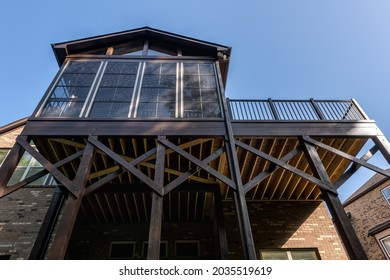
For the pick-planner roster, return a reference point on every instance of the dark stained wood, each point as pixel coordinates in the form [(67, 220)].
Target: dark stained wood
[(340, 218), (221, 230), (71, 207), (199, 163), (355, 167), (199, 128), (182, 178), (69, 185), (157, 205), (286, 128), (384, 146), (38, 175), (284, 165), (128, 166), (347, 156)]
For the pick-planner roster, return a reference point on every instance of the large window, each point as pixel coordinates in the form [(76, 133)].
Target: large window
[(27, 166), (386, 194), (289, 254), (115, 91), (69, 95), (135, 89)]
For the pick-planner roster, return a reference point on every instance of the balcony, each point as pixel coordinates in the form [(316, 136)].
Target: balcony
[(295, 110)]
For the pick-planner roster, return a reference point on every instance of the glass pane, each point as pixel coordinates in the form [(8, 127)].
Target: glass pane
[(274, 255), (167, 94), (122, 68), (72, 109), (119, 110), (152, 68), (191, 81), (207, 81), (212, 110), (209, 95), (3, 153), (147, 110), (303, 255), (82, 67), (192, 110), (166, 109), (386, 192), (191, 94), (17, 176), (206, 69), (386, 245), (191, 68), (149, 94)]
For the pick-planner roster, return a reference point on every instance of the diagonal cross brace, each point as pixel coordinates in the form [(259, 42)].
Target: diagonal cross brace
[(260, 177), (347, 156), (129, 166), (182, 178), (68, 184), (286, 166), (41, 173), (199, 163)]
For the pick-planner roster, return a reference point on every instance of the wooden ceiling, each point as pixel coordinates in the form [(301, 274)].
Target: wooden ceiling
[(126, 199)]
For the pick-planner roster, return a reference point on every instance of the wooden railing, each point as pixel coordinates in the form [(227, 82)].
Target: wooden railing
[(295, 110)]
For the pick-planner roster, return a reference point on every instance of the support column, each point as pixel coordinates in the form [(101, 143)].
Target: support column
[(157, 205), (71, 207), (9, 165), (344, 227)]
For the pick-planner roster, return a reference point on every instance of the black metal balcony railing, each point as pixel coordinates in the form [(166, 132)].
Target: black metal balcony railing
[(295, 110)]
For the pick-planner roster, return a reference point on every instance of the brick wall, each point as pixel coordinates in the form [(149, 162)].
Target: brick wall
[(290, 224), (21, 215), (367, 212)]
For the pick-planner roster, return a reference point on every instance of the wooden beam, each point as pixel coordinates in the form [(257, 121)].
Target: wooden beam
[(71, 207), (355, 167), (157, 205), (286, 166), (340, 218), (260, 177), (199, 163), (182, 178), (348, 156), (128, 166), (384, 147), (38, 175), (68, 184), (220, 224)]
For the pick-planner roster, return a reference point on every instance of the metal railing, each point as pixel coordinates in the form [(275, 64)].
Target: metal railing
[(295, 110)]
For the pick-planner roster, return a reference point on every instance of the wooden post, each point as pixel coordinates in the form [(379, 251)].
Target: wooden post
[(64, 229), (340, 218), (157, 205), (384, 146)]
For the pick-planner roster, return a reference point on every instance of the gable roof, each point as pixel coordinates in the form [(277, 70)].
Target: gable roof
[(198, 47), (162, 39), (11, 126)]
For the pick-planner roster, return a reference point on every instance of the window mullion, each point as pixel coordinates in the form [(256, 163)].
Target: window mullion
[(92, 92), (137, 89)]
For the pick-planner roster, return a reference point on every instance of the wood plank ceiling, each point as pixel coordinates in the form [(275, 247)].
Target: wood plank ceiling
[(124, 199)]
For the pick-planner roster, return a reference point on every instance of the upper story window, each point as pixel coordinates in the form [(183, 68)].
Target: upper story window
[(134, 88), (386, 193)]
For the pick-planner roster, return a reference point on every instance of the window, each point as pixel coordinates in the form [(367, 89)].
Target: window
[(28, 166), (386, 193), (289, 254), (163, 249), (187, 248), (72, 89), (121, 250), (134, 88), (115, 91), (385, 243)]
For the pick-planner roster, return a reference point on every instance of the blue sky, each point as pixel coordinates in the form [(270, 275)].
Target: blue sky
[(282, 49)]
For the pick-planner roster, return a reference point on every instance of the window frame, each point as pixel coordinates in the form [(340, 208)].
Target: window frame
[(134, 243), (289, 251), (385, 250), (89, 100), (387, 198)]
